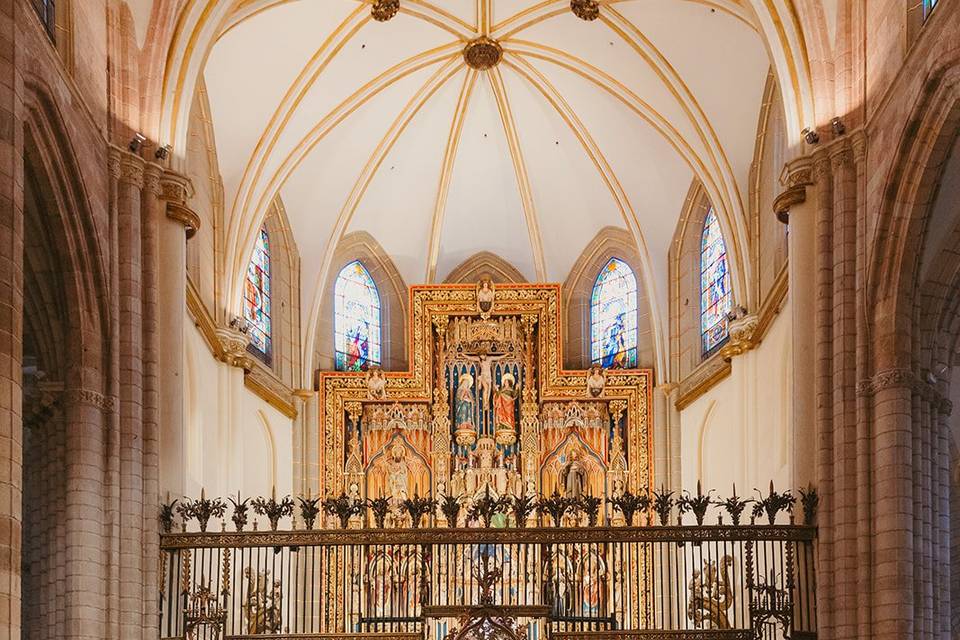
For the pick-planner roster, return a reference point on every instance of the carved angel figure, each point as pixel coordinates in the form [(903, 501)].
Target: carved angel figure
[(376, 384), (596, 380)]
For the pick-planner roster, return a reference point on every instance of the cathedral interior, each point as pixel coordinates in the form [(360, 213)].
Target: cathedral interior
[(479, 319)]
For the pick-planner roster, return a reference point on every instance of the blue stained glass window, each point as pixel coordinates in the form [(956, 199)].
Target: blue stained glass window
[(715, 298), (357, 319), (256, 297), (928, 6), (613, 316)]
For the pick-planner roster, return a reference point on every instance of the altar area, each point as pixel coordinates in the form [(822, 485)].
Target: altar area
[(487, 492)]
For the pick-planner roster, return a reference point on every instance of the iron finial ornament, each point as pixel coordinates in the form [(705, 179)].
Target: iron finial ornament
[(482, 53), (384, 10), (588, 10)]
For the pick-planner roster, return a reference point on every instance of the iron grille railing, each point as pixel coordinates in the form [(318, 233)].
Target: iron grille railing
[(723, 581)]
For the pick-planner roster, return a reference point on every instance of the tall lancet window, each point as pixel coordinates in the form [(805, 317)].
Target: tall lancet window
[(928, 6), (256, 298), (357, 319), (715, 299), (613, 316)]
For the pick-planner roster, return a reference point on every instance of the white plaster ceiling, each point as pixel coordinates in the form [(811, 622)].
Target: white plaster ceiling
[(611, 120)]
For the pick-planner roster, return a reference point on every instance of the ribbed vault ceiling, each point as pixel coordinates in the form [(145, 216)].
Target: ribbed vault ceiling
[(382, 127)]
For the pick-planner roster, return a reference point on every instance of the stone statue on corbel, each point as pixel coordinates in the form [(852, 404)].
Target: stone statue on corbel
[(741, 329), (486, 295), (233, 345)]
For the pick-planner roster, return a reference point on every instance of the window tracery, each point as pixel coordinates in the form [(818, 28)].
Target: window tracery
[(356, 319), (715, 298), (613, 317)]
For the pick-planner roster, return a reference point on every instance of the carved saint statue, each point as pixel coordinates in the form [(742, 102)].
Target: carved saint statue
[(464, 402), (485, 296), (376, 383), (397, 472), (596, 380), (504, 401), (573, 476)]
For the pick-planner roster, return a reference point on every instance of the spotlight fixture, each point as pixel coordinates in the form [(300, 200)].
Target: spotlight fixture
[(811, 136), (838, 127), (162, 153), (136, 142)]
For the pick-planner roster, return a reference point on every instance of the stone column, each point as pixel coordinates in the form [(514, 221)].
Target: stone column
[(152, 211), (11, 317), (796, 207), (175, 227), (130, 445), (666, 425)]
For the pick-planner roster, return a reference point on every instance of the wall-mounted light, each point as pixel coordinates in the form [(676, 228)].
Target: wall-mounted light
[(136, 142), (811, 136), (162, 153), (838, 127)]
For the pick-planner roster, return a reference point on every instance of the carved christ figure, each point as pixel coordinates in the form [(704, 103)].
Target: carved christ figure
[(485, 376), (485, 296)]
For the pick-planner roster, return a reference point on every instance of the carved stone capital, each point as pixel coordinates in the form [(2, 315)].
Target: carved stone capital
[(233, 348), (741, 340), (89, 397), (908, 380), (126, 167), (152, 174), (175, 187), (185, 216)]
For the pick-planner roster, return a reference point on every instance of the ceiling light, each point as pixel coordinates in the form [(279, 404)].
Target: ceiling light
[(162, 153), (838, 127)]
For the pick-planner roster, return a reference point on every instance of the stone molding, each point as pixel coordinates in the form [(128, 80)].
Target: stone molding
[(185, 216), (710, 372), (904, 379), (262, 382), (175, 187), (799, 176)]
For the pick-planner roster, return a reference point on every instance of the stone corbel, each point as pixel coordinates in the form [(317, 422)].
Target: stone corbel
[(233, 348), (799, 175), (742, 333), (175, 190)]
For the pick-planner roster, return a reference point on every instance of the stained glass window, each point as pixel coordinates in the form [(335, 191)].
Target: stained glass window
[(357, 320), (715, 299), (256, 297), (613, 316), (928, 6)]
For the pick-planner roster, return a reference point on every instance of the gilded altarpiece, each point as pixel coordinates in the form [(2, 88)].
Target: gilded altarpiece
[(486, 410), (485, 406)]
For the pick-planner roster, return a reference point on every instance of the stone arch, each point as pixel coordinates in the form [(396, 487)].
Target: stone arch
[(66, 315), (684, 284), (912, 183), (610, 242), (484, 263), (360, 245), (914, 327)]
